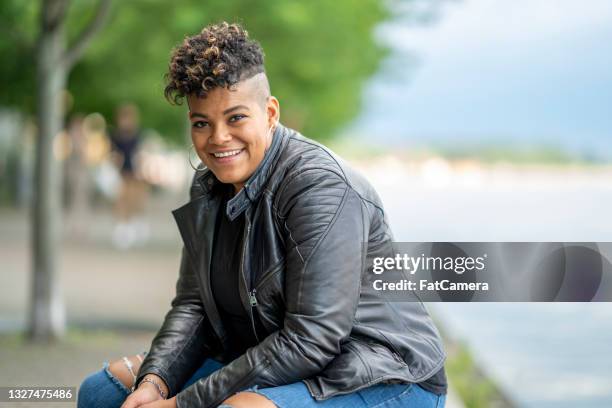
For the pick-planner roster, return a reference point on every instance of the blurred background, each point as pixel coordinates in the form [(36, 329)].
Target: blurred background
[(476, 120)]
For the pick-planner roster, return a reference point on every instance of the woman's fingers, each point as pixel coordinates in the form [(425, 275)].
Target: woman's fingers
[(140, 397)]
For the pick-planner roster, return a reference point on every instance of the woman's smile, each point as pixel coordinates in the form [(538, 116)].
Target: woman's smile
[(227, 156)]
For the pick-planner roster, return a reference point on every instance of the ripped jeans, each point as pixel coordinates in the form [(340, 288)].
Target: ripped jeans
[(102, 390)]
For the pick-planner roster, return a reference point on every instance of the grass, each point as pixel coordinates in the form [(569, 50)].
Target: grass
[(74, 337), (474, 389)]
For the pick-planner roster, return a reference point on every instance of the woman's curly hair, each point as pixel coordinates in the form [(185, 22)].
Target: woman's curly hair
[(219, 56)]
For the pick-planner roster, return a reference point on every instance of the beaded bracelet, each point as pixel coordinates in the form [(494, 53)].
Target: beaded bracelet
[(149, 380)]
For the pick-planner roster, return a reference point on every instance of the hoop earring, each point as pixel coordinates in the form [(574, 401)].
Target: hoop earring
[(189, 157)]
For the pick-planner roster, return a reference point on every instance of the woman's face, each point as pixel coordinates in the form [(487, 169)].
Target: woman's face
[(230, 129)]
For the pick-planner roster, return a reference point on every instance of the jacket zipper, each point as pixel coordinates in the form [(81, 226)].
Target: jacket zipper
[(251, 293)]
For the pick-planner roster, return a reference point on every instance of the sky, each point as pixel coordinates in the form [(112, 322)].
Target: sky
[(520, 73)]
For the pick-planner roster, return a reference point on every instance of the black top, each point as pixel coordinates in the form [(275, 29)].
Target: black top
[(225, 275)]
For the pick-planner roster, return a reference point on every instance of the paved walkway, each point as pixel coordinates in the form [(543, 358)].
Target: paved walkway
[(116, 298), (66, 363), (101, 284)]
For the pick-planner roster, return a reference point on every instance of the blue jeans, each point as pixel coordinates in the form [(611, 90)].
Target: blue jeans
[(102, 390)]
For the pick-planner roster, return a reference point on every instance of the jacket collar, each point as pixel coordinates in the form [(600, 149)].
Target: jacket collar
[(254, 185)]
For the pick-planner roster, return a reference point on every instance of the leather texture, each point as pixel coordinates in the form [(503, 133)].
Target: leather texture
[(309, 220)]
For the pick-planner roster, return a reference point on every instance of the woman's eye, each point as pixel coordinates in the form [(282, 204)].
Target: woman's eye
[(199, 124), (235, 118)]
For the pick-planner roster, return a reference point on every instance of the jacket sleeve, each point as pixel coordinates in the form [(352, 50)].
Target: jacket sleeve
[(184, 339), (324, 230), (180, 345)]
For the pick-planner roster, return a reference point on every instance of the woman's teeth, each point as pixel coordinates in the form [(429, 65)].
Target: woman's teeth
[(225, 154)]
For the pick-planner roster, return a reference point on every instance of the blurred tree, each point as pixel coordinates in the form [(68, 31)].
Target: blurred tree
[(53, 60)]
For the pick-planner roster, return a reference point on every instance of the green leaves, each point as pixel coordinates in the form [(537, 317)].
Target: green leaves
[(319, 53)]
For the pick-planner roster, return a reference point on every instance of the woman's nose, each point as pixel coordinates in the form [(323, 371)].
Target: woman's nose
[(220, 135)]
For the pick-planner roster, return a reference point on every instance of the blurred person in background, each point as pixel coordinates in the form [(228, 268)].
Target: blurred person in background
[(77, 177), (270, 310), (130, 227)]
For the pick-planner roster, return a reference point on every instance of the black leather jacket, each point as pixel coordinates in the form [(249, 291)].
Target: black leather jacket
[(307, 215)]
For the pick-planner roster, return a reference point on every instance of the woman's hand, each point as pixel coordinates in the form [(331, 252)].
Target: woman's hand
[(169, 403), (146, 395)]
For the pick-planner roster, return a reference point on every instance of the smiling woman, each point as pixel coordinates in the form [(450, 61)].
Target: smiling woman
[(269, 308)]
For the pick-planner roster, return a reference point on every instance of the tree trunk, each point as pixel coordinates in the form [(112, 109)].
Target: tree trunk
[(54, 62), (47, 314)]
